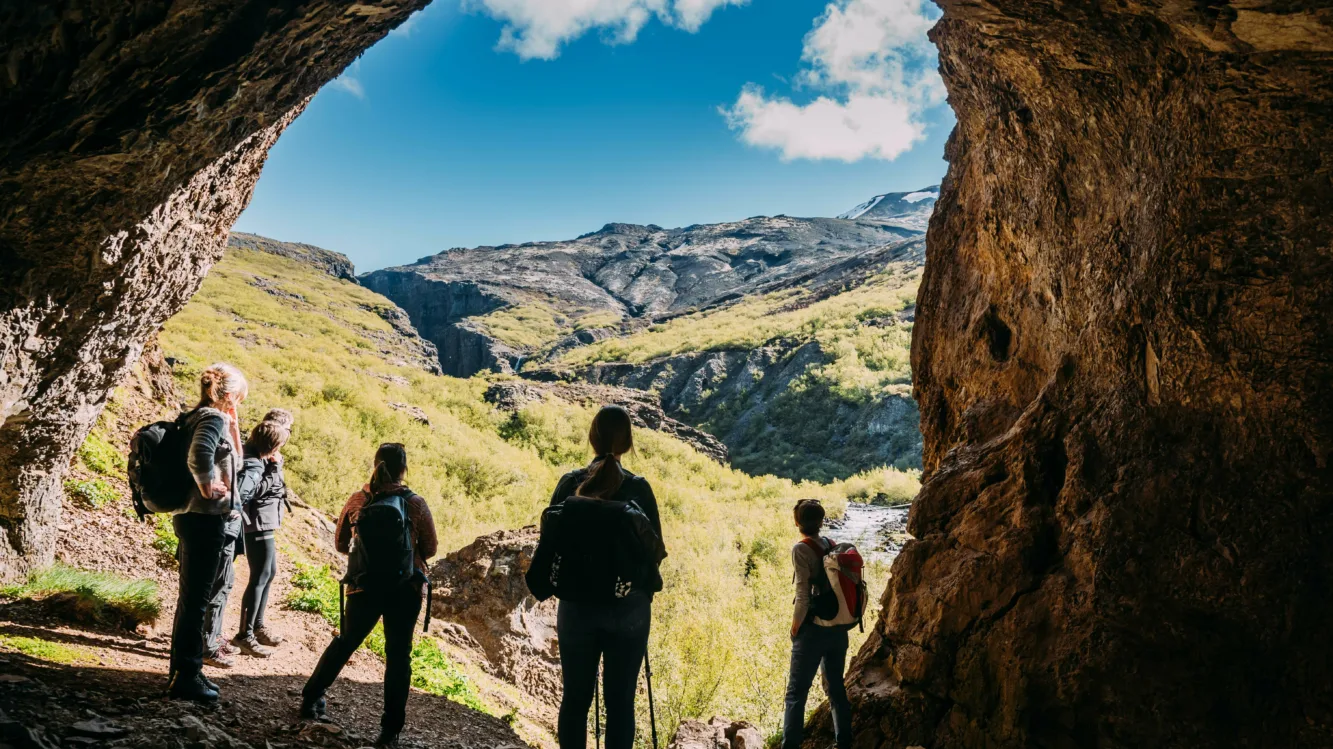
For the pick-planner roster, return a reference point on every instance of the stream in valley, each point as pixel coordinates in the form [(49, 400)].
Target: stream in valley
[(877, 531)]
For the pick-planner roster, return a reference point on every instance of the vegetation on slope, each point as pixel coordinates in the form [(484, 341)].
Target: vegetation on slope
[(308, 343), (91, 597)]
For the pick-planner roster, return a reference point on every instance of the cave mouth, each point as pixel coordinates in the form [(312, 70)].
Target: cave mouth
[(1125, 512)]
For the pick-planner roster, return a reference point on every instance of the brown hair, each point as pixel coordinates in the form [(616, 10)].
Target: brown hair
[(280, 416), (390, 466), (610, 437), (221, 382), (809, 515), (267, 437)]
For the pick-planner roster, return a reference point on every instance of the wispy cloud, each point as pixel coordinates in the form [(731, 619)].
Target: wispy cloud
[(876, 71), (350, 81), (536, 29), (406, 28)]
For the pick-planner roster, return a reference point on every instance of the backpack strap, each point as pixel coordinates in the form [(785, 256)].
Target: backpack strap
[(821, 545)]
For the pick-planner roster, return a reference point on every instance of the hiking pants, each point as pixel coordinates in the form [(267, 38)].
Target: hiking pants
[(399, 607), (200, 551), (615, 634), (222, 584), (261, 551), (814, 647)]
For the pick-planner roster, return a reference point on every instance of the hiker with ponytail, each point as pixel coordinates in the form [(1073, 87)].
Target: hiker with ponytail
[(599, 553), (388, 534), (208, 527)]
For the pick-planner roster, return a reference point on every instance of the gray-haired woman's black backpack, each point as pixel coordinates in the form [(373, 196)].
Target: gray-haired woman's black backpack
[(159, 477)]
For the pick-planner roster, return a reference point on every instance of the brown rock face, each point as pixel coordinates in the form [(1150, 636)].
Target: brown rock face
[(1122, 358), (131, 135)]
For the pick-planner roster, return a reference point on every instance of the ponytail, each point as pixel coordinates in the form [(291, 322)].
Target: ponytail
[(220, 383), (390, 467), (610, 437)]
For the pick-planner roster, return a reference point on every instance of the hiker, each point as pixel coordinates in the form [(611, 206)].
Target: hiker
[(599, 553), (203, 523), (263, 496), (814, 646), (388, 534)]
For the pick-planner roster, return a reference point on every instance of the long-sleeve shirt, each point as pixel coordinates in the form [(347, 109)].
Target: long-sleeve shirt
[(634, 489), (263, 492), (213, 455), (808, 567), (418, 512)]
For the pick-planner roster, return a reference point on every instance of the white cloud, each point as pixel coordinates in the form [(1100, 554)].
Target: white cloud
[(535, 29), (349, 81), (877, 69)]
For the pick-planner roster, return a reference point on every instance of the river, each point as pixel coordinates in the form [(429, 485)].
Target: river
[(877, 531)]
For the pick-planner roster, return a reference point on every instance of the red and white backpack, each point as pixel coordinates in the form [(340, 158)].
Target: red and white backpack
[(842, 565)]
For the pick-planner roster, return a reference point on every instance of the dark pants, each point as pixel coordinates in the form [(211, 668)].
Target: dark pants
[(261, 550), (200, 551), (222, 584), (614, 633), (399, 607), (815, 647)]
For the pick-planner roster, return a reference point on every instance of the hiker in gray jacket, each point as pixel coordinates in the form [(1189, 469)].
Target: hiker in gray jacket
[(814, 647), (263, 497), (208, 527)]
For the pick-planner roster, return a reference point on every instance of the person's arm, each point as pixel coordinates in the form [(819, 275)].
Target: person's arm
[(538, 576), (649, 508), (564, 488), (250, 480), (424, 525), (209, 431), (342, 536), (801, 558)]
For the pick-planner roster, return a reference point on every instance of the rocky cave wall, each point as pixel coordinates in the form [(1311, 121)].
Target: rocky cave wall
[(131, 136), (1123, 360)]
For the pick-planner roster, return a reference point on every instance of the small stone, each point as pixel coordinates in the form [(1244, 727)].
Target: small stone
[(99, 728)]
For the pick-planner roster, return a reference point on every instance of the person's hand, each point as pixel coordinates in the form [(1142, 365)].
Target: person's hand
[(216, 489), (795, 629)]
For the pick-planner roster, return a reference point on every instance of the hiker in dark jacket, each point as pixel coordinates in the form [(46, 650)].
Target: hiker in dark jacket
[(398, 605), (263, 495), (813, 647), (614, 632), (204, 523)]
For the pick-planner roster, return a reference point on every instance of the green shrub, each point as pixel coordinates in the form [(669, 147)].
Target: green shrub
[(91, 597), (100, 456), (164, 535), (93, 492)]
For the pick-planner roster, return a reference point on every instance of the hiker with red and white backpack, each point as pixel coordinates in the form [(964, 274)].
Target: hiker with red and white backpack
[(830, 600)]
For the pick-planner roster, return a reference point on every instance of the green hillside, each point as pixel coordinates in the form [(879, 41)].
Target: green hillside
[(316, 345)]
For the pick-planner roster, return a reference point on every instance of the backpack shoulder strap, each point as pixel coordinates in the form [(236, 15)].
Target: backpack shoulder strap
[(822, 546)]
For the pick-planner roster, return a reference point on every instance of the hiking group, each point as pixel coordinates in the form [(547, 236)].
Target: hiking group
[(599, 553)]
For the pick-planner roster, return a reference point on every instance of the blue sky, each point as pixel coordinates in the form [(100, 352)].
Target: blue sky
[(517, 120)]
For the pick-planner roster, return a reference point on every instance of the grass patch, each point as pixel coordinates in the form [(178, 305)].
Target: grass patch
[(524, 326), (164, 535), (46, 650), (95, 492), (100, 456), (91, 597)]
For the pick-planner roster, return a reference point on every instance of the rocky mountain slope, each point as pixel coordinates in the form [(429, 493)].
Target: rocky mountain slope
[(489, 308), (910, 210)]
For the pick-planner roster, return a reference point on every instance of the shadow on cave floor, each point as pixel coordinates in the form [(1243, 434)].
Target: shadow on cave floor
[(52, 677)]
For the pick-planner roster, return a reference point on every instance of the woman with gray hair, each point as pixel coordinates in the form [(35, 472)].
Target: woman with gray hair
[(203, 527)]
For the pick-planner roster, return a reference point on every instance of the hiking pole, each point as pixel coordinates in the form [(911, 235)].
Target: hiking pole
[(341, 629), (652, 713)]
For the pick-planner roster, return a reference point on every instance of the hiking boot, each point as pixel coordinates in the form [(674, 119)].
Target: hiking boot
[(387, 740), (219, 658), (209, 683), (191, 688), (267, 637), (313, 708), (251, 647)]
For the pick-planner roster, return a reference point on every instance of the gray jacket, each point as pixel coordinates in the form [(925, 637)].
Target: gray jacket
[(211, 456), (263, 492)]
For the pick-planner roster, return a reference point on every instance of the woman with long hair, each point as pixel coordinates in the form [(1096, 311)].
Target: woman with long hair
[(610, 514), (387, 516), (207, 527)]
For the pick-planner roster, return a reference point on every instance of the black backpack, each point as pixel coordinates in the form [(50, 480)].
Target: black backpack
[(595, 550), (159, 475), (382, 554)]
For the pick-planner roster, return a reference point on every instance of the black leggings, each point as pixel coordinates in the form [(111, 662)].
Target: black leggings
[(261, 549), (615, 635)]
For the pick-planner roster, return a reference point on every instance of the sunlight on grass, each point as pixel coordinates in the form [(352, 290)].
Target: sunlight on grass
[(48, 650), (92, 597)]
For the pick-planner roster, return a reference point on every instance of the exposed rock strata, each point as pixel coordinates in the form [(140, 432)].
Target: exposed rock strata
[(133, 134), (1121, 356)]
